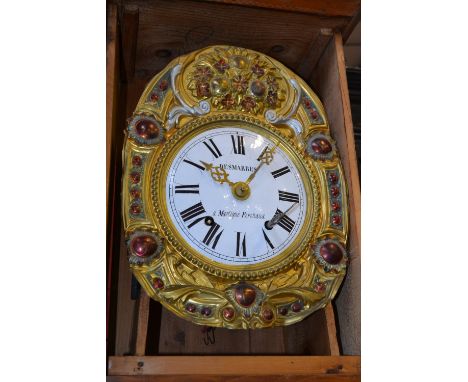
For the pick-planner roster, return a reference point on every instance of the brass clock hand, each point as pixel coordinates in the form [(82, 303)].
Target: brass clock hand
[(265, 157), (249, 179), (218, 174), (276, 219)]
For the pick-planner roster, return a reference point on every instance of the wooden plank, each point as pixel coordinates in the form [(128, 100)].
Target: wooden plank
[(179, 336), (267, 341), (308, 337), (349, 134), (331, 328), (319, 7), (130, 20), (349, 301), (236, 365), (111, 90), (126, 307), (142, 326), (341, 125), (329, 81), (317, 46), (236, 378), (162, 36), (172, 339)]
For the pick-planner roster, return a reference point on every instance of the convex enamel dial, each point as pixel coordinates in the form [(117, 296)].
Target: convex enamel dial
[(220, 223), (234, 200)]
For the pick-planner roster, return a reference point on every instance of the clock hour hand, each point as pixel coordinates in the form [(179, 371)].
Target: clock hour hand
[(218, 174), (277, 218)]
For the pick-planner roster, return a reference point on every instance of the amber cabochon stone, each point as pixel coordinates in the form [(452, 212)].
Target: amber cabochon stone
[(245, 295)]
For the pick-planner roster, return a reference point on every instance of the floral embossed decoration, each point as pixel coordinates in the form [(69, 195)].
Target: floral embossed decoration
[(237, 79)]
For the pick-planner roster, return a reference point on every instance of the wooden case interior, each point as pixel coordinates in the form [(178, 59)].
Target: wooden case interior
[(142, 38)]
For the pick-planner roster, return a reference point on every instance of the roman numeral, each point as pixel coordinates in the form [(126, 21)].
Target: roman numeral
[(240, 245), (188, 189), (191, 212), (239, 147), (194, 164), (285, 222), (288, 196), (267, 239), (213, 148), (281, 171), (211, 234)]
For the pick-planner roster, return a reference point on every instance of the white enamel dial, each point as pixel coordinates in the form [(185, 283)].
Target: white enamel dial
[(217, 224)]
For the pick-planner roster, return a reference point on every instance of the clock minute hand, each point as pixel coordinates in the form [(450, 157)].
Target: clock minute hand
[(218, 174), (265, 157), (276, 219), (249, 179)]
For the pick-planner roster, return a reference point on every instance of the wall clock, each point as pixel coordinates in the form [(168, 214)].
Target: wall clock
[(234, 199)]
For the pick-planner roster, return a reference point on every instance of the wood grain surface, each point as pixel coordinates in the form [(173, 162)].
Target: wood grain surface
[(112, 211), (235, 366), (331, 329), (329, 81), (308, 337), (126, 307), (142, 325), (237, 378), (130, 20), (112, 82), (320, 7), (168, 29)]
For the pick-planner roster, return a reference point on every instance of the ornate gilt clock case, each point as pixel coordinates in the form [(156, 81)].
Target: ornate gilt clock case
[(234, 200)]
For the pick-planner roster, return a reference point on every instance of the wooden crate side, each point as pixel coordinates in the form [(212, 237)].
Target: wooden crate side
[(129, 26), (236, 366), (162, 36), (181, 337), (112, 178), (134, 90), (355, 194), (315, 335), (329, 81), (112, 80), (126, 307), (318, 7)]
